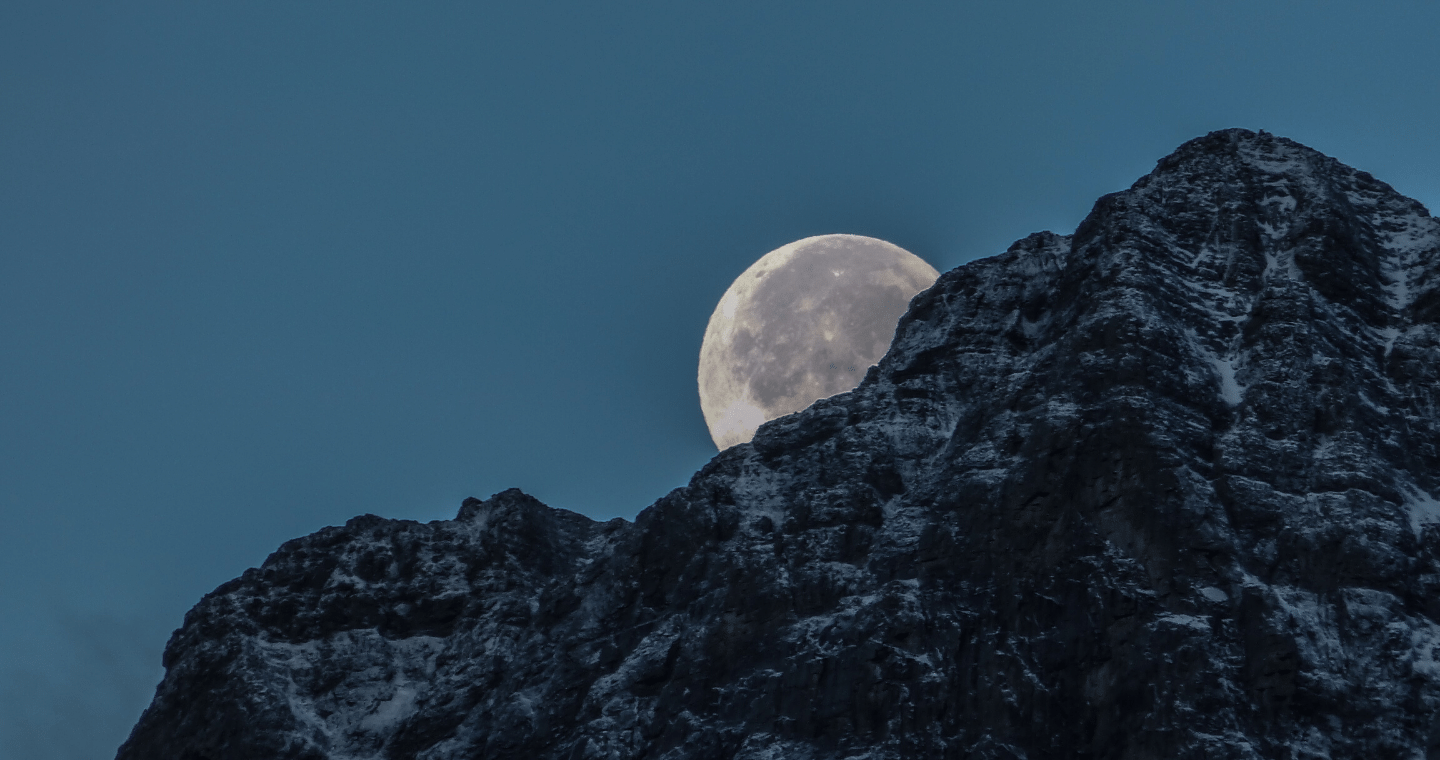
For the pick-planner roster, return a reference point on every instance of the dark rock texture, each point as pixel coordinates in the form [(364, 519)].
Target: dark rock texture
[(1160, 489)]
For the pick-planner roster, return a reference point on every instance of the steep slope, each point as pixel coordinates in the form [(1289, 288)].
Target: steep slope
[(1162, 488)]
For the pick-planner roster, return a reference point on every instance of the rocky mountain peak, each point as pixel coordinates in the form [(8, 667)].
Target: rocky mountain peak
[(1161, 488)]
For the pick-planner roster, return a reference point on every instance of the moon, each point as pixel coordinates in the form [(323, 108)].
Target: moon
[(801, 324)]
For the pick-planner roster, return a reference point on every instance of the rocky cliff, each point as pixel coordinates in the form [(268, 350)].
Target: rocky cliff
[(1164, 488)]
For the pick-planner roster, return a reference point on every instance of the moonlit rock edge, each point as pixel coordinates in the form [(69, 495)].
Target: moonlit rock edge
[(1164, 488)]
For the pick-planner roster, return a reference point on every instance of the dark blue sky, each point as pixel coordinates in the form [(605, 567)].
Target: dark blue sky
[(265, 266)]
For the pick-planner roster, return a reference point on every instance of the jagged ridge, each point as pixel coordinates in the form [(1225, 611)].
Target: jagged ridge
[(1160, 489)]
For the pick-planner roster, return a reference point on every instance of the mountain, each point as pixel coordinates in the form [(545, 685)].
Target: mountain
[(1163, 488)]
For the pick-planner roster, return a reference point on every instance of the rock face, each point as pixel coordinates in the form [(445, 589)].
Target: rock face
[(1164, 488)]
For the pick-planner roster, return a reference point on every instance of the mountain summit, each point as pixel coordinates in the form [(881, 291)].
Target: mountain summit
[(1164, 488)]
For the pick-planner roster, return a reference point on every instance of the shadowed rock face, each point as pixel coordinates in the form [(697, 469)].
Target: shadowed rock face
[(1164, 488)]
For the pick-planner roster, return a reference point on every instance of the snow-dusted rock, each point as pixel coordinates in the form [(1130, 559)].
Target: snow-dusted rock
[(1165, 488)]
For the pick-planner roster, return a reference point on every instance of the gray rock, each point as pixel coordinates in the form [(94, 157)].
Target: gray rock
[(1160, 489)]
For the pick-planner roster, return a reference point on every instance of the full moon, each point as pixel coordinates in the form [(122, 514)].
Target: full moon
[(801, 324)]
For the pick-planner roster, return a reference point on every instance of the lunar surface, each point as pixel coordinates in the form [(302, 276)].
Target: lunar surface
[(801, 324)]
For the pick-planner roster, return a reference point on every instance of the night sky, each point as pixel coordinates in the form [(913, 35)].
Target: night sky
[(265, 266)]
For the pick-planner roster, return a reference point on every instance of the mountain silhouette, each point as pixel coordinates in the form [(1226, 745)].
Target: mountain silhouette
[(1163, 488)]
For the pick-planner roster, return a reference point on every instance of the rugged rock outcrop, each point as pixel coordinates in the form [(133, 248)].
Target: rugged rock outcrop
[(1160, 489)]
